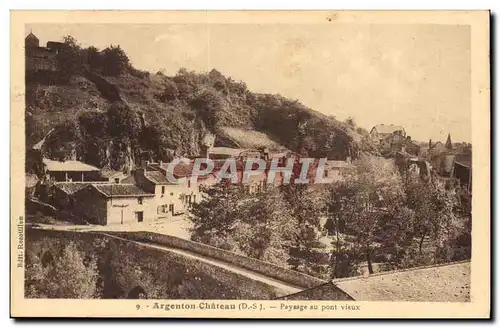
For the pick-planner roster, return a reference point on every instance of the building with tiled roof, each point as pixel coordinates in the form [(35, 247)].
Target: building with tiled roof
[(171, 197), (41, 58), (112, 204), (111, 175), (380, 132), (70, 171), (121, 190)]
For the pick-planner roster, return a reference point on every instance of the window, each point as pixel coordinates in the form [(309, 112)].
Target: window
[(171, 208), (139, 200), (189, 183), (117, 180), (162, 190), (139, 216)]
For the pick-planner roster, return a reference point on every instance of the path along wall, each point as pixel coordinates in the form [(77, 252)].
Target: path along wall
[(270, 270)]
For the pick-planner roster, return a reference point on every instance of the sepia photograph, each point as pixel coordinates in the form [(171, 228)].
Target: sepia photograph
[(185, 164)]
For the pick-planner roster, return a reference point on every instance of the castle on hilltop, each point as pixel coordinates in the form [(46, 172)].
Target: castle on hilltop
[(41, 58)]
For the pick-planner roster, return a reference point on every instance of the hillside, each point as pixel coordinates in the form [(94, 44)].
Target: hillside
[(106, 113)]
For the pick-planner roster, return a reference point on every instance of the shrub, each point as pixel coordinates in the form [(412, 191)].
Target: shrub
[(65, 277)]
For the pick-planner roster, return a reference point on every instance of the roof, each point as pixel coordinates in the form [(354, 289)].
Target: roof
[(181, 170), (465, 159), (71, 187), (121, 190), (439, 283), (31, 180), (109, 173), (31, 36), (129, 180), (328, 291), (68, 166), (387, 129), (226, 151), (157, 177)]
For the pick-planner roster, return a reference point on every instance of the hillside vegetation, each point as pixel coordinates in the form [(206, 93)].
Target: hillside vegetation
[(107, 113)]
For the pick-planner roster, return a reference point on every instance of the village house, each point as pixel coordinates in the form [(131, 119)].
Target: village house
[(62, 193), (431, 149), (70, 171), (111, 204), (171, 199), (379, 133), (110, 175)]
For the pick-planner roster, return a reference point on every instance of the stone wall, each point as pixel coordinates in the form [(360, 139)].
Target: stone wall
[(125, 267)]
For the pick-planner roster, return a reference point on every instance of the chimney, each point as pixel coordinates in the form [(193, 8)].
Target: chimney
[(264, 153), (204, 152), (430, 143)]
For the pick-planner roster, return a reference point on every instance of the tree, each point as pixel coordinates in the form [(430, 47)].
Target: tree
[(69, 58), (62, 143), (123, 121), (65, 277), (257, 225), (115, 61), (93, 124), (306, 206), (434, 207), (209, 105), (344, 260), (374, 210), (216, 216), (171, 92), (267, 227), (94, 58)]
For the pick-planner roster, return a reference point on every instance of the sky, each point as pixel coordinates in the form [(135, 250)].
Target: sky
[(414, 75)]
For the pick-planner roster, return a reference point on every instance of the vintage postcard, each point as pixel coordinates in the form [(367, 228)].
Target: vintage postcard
[(250, 164)]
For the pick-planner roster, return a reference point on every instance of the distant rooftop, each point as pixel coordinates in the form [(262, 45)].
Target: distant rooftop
[(387, 129), (157, 177), (71, 187), (121, 190), (68, 166), (109, 173), (226, 151)]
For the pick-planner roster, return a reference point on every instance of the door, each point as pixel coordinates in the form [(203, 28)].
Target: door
[(139, 216)]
